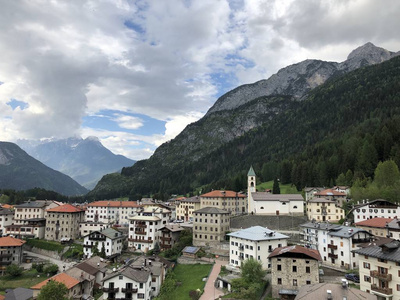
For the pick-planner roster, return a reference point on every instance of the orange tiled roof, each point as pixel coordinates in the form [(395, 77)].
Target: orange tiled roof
[(69, 281), (8, 206), (114, 204), (330, 192), (375, 222), (220, 194), (9, 241), (66, 208), (2, 297)]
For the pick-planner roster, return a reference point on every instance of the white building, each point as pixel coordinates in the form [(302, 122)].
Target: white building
[(264, 203), (145, 225), (87, 227), (375, 209), (116, 212), (129, 283), (108, 238), (6, 219), (255, 242), (335, 243)]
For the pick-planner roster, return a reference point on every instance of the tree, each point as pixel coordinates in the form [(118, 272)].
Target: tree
[(251, 282), (103, 251), (14, 270), (252, 271), (53, 290), (386, 174), (95, 249), (276, 189), (51, 269)]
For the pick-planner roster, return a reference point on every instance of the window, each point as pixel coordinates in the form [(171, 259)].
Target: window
[(366, 265), (367, 278), (341, 253), (279, 267), (140, 296), (308, 270), (279, 280), (294, 269), (294, 282)]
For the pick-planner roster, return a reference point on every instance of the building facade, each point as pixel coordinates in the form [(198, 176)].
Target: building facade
[(374, 209), (115, 212), (107, 240), (324, 210), (169, 235), (62, 222), (6, 219), (87, 227), (185, 208), (291, 268), (376, 226), (254, 243), (210, 226), (10, 252), (230, 201)]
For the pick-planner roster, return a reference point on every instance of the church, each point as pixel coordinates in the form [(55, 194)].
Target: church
[(265, 203)]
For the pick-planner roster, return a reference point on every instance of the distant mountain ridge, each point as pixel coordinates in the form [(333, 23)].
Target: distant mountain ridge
[(85, 160), (19, 171)]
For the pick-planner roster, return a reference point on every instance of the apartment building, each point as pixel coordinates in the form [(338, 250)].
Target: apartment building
[(334, 195), (291, 268), (380, 270), (116, 212), (185, 208), (310, 192), (376, 226), (323, 210), (10, 252), (6, 219), (375, 209), (233, 202), (169, 235), (108, 239), (144, 227), (87, 227), (210, 225), (62, 222), (254, 243)]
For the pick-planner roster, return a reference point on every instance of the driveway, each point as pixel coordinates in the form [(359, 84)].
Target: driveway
[(210, 291), (59, 263)]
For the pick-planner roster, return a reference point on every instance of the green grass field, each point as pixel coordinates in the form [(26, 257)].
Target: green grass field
[(285, 188), (190, 277), (26, 280)]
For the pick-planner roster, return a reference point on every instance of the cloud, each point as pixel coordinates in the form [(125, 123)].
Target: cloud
[(128, 122)]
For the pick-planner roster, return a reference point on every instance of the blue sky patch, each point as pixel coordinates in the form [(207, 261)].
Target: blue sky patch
[(14, 103)]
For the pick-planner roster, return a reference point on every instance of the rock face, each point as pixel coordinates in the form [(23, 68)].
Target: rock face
[(298, 79), (85, 160)]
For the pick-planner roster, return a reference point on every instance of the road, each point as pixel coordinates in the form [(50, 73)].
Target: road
[(59, 263), (210, 291)]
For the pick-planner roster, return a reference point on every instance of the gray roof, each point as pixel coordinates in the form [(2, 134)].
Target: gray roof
[(191, 249), (251, 172), (108, 232), (211, 210), (346, 231), (265, 196), (258, 233), (195, 199), (32, 204), (390, 204), (319, 226), (136, 274), (5, 211), (319, 200), (308, 189), (19, 294), (391, 253), (155, 266), (318, 291), (172, 228)]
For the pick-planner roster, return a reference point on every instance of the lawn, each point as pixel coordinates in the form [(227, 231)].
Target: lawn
[(285, 188), (190, 277), (26, 280)]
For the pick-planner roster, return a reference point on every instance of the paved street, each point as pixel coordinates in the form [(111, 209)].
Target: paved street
[(59, 263), (211, 292)]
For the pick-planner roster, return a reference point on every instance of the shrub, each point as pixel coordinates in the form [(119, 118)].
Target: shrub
[(14, 270), (51, 269)]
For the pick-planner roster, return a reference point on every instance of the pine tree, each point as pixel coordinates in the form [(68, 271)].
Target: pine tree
[(276, 189)]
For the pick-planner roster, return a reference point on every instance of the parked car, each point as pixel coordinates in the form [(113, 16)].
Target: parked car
[(353, 277), (179, 221)]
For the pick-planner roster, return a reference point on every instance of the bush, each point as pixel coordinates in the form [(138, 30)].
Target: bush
[(194, 294), (51, 269), (14, 270), (38, 267)]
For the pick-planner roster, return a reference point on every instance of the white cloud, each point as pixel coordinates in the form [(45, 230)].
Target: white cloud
[(128, 122)]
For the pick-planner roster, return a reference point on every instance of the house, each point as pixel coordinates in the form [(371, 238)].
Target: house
[(190, 251), (376, 226), (10, 252), (255, 242), (374, 209), (73, 285), (30, 219), (233, 202), (169, 236), (87, 227), (116, 212), (95, 266), (107, 240), (265, 203), (6, 219), (145, 225), (335, 242), (339, 197), (86, 282), (322, 210), (380, 270), (332, 291), (291, 268), (342, 189), (62, 222), (186, 206), (129, 283), (310, 192), (210, 226)]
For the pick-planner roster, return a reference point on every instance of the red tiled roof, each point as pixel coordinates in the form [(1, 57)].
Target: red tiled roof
[(69, 281), (9, 241), (114, 204), (312, 253), (330, 192), (66, 208), (221, 194), (7, 206), (375, 222), (2, 297)]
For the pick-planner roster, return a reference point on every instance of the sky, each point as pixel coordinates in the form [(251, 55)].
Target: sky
[(135, 73)]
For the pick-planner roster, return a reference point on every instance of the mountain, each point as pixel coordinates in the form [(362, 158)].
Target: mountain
[(20, 171), (292, 122), (85, 160)]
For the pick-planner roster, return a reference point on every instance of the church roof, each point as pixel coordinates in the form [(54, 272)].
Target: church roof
[(251, 172)]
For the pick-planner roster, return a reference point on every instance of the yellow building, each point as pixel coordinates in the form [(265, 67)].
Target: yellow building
[(233, 202), (322, 210), (185, 208)]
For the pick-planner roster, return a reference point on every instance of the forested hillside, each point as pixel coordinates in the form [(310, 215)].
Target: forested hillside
[(347, 126)]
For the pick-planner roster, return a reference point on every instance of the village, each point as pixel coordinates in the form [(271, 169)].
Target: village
[(294, 238)]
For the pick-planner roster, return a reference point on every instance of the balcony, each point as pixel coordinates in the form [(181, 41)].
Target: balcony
[(381, 276), (97, 238), (332, 246), (380, 290), (361, 240), (140, 225), (140, 241), (111, 290), (165, 238), (5, 255), (140, 232), (331, 255), (129, 290)]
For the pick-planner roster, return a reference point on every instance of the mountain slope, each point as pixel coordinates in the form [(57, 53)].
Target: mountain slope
[(20, 171), (275, 128), (85, 160)]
